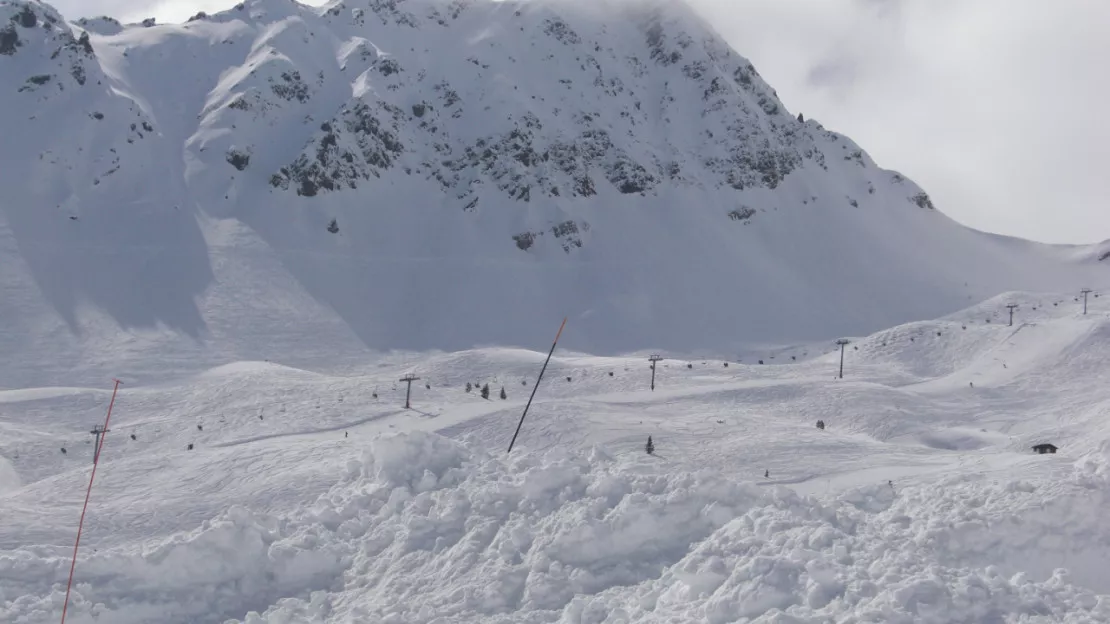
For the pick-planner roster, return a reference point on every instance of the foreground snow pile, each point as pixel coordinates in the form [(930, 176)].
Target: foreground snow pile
[(426, 529)]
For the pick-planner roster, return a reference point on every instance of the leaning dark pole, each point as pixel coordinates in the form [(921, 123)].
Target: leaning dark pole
[(536, 386)]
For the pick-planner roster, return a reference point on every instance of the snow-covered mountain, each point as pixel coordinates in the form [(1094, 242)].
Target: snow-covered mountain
[(432, 174)]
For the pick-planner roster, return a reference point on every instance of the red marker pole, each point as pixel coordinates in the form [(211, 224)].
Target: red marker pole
[(81, 524), (536, 387)]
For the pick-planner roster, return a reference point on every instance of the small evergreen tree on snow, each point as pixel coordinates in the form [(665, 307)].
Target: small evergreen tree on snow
[(503, 395), (649, 447), (469, 387), (333, 227), (801, 118), (485, 391)]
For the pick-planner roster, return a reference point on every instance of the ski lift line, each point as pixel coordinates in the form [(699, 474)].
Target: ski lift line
[(88, 492)]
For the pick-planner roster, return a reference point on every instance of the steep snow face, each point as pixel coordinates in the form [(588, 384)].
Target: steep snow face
[(490, 167)]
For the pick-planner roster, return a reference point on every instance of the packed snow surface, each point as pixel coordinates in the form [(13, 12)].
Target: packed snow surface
[(312, 497)]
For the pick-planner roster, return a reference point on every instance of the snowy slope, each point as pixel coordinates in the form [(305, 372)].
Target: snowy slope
[(418, 516), (492, 168)]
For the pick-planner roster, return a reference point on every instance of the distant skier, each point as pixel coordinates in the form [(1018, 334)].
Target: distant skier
[(766, 474), (345, 434), (649, 447)]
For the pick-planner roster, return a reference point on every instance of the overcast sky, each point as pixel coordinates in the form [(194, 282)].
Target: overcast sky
[(996, 107)]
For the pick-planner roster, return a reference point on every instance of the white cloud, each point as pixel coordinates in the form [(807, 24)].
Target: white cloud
[(166, 11), (994, 106)]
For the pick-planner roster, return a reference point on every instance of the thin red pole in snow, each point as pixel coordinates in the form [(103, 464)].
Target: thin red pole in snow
[(81, 524), (536, 387)]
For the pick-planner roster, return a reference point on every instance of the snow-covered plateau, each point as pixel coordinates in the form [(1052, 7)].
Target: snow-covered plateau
[(311, 497), (260, 220)]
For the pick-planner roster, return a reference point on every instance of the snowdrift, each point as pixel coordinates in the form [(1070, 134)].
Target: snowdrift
[(426, 529)]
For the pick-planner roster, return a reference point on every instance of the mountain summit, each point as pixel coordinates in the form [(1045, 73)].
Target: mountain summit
[(424, 174)]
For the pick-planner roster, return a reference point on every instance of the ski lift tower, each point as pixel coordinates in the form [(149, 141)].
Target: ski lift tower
[(1012, 307), (653, 359), (409, 378), (1085, 292), (98, 431), (843, 342)]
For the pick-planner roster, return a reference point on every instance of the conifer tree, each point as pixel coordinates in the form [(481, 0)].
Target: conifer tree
[(649, 447)]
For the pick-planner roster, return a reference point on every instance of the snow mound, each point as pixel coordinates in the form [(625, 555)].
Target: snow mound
[(956, 439), (427, 529), (9, 478), (228, 565), (873, 498), (1093, 469)]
